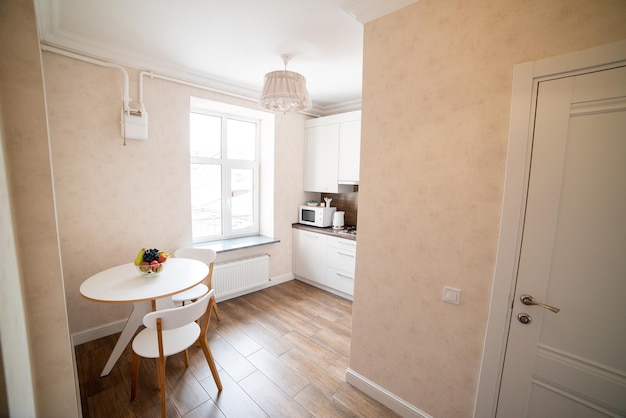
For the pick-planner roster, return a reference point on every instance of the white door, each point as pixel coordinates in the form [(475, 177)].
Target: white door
[(573, 257)]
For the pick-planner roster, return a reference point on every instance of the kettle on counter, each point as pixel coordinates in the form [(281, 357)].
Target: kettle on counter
[(338, 220)]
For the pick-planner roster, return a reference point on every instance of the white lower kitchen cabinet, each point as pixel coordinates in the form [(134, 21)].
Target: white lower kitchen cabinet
[(340, 280), (324, 261), (340, 263), (309, 249)]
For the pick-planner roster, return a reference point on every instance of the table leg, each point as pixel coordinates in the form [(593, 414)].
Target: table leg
[(163, 303), (140, 309)]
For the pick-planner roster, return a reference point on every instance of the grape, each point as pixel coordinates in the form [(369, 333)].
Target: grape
[(151, 255)]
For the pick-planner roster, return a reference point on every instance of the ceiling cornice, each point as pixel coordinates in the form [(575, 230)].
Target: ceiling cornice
[(51, 34), (367, 10)]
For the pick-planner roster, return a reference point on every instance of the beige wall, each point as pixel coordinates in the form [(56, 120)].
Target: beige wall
[(32, 263), (113, 199), (436, 100), (437, 82)]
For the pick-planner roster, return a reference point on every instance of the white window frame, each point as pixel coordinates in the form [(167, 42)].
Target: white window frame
[(227, 165)]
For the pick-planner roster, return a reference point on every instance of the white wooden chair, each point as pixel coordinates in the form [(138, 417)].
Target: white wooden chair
[(207, 256), (171, 331)]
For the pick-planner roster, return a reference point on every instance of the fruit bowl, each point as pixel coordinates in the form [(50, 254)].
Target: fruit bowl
[(150, 262), (153, 269)]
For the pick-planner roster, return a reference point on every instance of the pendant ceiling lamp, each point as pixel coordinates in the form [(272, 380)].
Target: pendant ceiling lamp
[(285, 91)]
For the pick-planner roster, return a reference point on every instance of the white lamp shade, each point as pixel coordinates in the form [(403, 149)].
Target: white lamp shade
[(285, 91)]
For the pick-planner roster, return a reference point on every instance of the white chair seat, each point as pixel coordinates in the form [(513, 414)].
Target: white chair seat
[(194, 293), (146, 343)]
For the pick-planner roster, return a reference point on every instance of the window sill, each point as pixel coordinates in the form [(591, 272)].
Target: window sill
[(232, 244)]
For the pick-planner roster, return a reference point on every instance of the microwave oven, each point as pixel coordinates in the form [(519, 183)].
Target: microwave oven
[(316, 216)]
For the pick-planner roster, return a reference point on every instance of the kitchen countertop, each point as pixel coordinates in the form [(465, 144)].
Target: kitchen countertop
[(326, 231)]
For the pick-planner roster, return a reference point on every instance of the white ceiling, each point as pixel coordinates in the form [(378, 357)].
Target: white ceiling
[(228, 45)]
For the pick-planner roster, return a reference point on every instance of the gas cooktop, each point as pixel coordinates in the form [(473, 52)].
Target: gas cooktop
[(349, 230)]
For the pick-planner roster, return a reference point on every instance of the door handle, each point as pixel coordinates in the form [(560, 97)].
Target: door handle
[(529, 300)]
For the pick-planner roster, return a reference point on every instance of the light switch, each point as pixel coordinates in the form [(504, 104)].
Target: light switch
[(451, 295)]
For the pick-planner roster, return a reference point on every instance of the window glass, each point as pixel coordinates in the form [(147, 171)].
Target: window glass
[(241, 140), (206, 200), (242, 189), (224, 175), (205, 135)]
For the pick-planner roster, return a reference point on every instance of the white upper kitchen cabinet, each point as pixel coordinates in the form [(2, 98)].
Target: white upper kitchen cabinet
[(349, 151), (322, 159), (332, 153)]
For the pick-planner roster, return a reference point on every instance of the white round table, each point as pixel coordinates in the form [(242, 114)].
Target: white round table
[(124, 284)]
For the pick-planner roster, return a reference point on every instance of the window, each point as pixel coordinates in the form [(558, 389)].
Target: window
[(224, 175)]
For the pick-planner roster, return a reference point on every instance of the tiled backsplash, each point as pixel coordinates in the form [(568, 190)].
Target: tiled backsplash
[(347, 202)]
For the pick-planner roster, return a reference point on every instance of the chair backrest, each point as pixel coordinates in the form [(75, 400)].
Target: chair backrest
[(206, 255), (179, 316)]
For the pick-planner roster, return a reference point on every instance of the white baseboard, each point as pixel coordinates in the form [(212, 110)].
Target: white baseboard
[(326, 288), (95, 333), (391, 401), (115, 327)]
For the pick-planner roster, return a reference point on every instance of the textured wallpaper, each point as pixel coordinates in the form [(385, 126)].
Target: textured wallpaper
[(35, 339), (113, 199), (436, 101)]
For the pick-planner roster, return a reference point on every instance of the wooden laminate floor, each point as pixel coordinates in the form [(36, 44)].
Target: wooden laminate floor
[(281, 352)]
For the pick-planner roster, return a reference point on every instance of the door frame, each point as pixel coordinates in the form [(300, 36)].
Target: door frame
[(526, 78)]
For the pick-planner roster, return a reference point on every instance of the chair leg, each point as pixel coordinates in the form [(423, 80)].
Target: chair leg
[(209, 359), (217, 312), (187, 358), (161, 372), (134, 376)]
